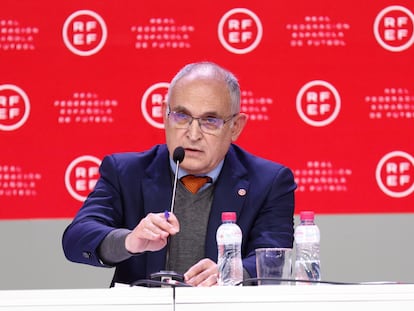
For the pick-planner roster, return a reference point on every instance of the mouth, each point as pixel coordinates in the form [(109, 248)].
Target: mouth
[(192, 151)]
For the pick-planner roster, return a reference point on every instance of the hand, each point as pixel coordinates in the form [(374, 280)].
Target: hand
[(203, 273), (151, 233)]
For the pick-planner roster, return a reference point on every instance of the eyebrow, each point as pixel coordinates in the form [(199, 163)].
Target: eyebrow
[(204, 115)]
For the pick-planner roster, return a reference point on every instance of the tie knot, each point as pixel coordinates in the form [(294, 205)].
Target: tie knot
[(194, 183)]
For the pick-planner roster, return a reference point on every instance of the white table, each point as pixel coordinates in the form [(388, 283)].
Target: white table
[(114, 299), (279, 297), (290, 298)]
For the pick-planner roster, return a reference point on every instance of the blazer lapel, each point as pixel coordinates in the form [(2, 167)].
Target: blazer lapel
[(157, 189)]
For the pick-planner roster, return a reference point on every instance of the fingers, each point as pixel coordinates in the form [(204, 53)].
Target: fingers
[(151, 233), (157, 225), (203, 273), (173, 221)]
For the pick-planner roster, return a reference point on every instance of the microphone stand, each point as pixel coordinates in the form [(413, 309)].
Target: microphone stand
[(166, 275)]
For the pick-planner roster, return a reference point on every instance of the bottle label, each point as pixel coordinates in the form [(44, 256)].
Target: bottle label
[(233, 235), (307, 234)]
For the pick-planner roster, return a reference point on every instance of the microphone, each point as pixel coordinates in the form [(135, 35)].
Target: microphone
[(170, 276), (178, 157)]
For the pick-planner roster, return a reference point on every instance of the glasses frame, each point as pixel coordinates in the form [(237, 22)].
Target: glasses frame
[(199, 120)]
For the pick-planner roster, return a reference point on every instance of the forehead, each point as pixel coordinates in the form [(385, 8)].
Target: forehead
[(200, 94)]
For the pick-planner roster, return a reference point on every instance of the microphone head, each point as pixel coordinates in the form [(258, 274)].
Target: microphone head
[(178, 154)]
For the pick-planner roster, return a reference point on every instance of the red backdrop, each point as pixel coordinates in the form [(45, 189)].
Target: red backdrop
[(328, 86)]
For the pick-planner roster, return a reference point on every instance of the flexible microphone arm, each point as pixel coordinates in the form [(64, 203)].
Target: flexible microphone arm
[(178, 157), (163, 275)]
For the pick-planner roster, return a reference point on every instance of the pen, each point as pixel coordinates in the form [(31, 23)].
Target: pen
[(166, 214)]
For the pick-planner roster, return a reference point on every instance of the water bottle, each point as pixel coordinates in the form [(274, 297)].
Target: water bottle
[(229, 239), (307, 240)]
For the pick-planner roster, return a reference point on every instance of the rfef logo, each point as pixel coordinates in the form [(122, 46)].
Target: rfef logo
[(395, 174), (394, 28), (84, 33), (240, 31), (14, 107), (81, 176), (151, 104), (318, 103)]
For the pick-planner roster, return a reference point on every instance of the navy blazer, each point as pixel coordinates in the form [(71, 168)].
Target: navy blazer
[(131, 185)]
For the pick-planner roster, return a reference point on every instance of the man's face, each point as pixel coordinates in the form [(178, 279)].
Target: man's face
[(201, 97)]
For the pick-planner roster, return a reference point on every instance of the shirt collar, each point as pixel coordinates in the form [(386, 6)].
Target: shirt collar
[(212, 174)]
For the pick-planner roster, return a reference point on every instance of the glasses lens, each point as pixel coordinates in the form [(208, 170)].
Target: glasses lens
[(179, 119), (211, 125), (207, 125)]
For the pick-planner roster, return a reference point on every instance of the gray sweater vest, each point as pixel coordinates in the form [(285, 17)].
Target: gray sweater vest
[(187, 247)]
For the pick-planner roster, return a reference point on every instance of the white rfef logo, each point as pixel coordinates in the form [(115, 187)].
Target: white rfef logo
[(151, 103), (14, 107), (240, 31), (395, 174), (318, 103), (81, 176), (84, 33), (394, 28)]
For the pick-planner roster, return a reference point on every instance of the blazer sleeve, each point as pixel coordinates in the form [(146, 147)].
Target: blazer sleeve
[(99, 215)]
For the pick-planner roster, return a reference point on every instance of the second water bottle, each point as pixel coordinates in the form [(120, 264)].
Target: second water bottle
[(307, 240)]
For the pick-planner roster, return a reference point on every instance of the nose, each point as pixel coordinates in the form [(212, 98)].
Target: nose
[(194, 130)]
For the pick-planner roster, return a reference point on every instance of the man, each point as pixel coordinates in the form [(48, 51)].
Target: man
[(122, 222)]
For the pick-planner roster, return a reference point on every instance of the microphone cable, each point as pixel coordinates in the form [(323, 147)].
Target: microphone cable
[(274, 281), (253, 282), (156, 283)]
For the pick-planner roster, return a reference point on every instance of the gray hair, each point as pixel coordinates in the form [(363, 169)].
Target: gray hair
[(212, 69)]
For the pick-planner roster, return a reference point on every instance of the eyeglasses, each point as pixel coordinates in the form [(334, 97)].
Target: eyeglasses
[(208, 125)]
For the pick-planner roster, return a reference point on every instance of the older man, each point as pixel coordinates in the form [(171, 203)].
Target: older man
[(122, 222)]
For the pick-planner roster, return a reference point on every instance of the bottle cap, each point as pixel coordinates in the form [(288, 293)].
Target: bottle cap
[(307, 215), (228, 216)]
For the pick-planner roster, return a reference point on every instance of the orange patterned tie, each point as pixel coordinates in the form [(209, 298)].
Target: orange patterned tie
[(194, 183)]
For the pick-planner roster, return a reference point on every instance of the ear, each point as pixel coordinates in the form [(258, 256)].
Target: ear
[(238, 125), (164, 107)]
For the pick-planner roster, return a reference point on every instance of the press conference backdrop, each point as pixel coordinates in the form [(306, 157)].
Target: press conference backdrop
[(328, 87)]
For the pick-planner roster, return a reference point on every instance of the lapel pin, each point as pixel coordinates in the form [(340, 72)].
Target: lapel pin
[(242, 192)]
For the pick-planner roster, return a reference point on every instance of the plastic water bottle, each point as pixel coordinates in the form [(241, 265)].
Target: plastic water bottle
[(307, 240), (229, 239)]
